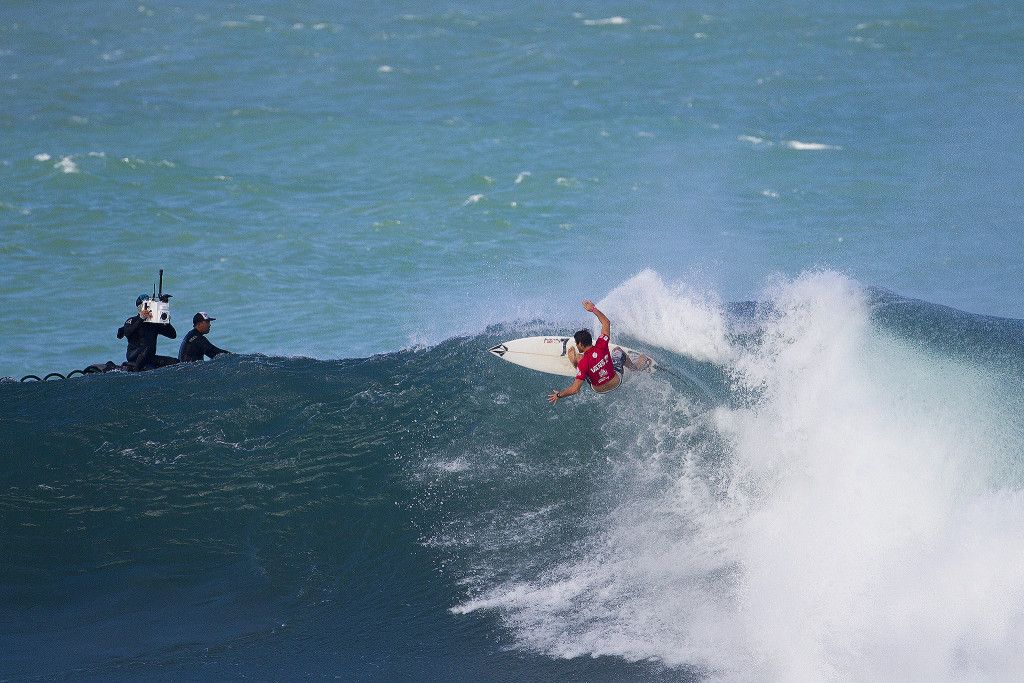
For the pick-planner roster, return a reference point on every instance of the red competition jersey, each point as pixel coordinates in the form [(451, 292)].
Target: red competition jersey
[(596, 364)]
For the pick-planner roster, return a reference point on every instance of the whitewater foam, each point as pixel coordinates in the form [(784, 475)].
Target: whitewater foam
[(669, 317), (809, 146), (607, 21), (66, 165), (753, 140), (844, 519)]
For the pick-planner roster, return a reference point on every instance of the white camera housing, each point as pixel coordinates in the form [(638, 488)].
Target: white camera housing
[(161, 311)]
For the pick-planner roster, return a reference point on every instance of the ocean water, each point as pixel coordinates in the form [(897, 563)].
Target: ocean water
[(809, 214)]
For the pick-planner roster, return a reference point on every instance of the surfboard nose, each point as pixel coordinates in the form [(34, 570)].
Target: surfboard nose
[(499, 350)]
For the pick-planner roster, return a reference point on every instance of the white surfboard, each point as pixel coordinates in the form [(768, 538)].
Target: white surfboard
[(548, 354)]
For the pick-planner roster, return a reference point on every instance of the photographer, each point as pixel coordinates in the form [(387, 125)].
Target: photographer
[(195, 345), (141, 335)]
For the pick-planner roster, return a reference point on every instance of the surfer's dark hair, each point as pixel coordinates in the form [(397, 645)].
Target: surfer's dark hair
[(583, 338)]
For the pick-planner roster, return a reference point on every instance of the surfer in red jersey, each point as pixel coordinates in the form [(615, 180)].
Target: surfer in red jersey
[(595, 363)]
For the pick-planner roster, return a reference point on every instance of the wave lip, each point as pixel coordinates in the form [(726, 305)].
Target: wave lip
[(669, 317)]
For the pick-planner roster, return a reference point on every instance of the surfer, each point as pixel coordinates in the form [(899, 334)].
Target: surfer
[(594, 362), (141, 333), (195, 345)]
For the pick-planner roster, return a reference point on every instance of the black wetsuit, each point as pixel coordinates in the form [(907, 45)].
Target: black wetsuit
[(195, 345), (141, 354)]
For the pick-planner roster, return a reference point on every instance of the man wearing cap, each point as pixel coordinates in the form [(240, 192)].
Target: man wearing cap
[(195, 345), (141, 335)]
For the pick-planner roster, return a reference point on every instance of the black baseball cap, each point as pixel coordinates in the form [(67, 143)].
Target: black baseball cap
[(200, 317)]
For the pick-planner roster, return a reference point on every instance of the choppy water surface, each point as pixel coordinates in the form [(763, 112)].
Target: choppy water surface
[(827, 486)]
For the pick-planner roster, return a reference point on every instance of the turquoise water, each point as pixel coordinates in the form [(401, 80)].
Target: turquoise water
[(333, 181)]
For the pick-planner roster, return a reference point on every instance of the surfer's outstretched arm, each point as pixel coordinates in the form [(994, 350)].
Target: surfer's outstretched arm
[(606, 324), (555, 395)]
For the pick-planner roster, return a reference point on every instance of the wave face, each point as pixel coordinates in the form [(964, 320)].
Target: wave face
[(827, 485)]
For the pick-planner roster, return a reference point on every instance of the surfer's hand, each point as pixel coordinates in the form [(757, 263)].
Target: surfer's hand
[(553, 398), (588, 305)]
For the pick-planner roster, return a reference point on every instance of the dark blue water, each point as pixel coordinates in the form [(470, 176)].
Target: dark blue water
[(255, 517), (427, 515)]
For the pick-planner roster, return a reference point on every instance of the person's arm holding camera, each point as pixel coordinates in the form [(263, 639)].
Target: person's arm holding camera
[(131, 325)]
